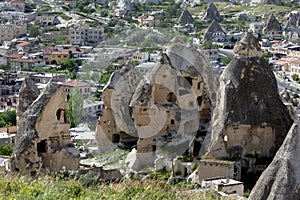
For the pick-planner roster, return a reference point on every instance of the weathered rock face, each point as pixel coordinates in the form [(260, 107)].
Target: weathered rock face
[(115, 124), (250, 118), (281, 180), (173, 102), (212, 13), (214, 33), (292, 21), (43, 136), (28, 93), (185, 18)]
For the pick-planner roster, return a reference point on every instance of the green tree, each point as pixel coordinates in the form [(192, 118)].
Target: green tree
[(75, 108), (33, 31), (104, 78), (8, 118), (69, 64)]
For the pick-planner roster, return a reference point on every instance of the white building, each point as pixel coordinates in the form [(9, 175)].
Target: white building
[(92, 108), (226, 185)]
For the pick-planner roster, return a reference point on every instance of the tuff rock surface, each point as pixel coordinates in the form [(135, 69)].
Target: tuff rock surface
[(116, 117), (248, 97), (28, 93), (43, 136), (212, 13), (172, 102), (281, 180), (185, 18)]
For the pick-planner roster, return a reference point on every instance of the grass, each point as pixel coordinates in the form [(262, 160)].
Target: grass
[(47, 187), (112, 158)]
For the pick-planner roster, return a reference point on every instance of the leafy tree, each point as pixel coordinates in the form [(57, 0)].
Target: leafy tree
[(8, 118), (104, 78), (75, 108), (33, 31), (69, 64)]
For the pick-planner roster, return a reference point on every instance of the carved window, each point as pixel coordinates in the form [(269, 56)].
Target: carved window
[(199, 100), (171, 98), (172, 121)]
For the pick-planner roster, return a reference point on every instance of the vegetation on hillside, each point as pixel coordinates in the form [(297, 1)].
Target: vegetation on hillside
[(47, 187)]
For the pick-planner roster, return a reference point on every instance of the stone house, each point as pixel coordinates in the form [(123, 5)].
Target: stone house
[(256, 27), (185, 18), (72, 85), (47, 20), (79, 34), (56, 55), (20, 60), (46, 77), (11, 31)]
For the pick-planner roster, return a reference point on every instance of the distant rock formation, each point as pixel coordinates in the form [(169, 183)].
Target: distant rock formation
[(43, 139), (214, 33), (250, 118), (293, 22), (272, 24), (185, 18), (212, 13), (125, 4), (273, 29), (28, 93), (281, 179)]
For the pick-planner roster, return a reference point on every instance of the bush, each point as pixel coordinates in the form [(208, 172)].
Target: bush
[(6, 150), (295, 77)]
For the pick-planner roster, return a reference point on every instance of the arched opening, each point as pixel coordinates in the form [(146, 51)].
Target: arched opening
[(53, 62), (171, 98), (49, 23)]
